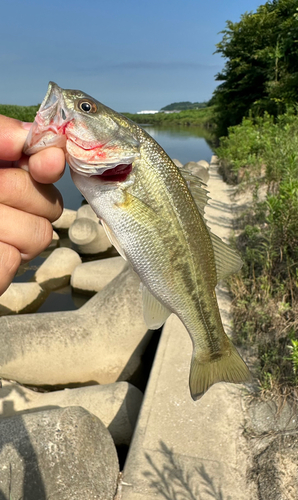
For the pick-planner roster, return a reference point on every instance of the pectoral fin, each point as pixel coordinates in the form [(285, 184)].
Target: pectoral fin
[(142, 213), (112, 238), (155, 314)]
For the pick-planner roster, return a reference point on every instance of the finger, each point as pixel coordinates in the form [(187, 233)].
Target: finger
[(12, 138), (28, 233), (19, 190), (10, 259), (47, 166)]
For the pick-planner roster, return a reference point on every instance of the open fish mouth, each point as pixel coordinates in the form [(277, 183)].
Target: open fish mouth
[(117, 171), (116, 174)]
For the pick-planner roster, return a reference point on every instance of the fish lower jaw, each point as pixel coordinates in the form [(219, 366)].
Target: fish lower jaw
[(118, 173), (50, 140)]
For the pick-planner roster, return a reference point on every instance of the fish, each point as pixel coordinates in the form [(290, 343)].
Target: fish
[(153, 213)]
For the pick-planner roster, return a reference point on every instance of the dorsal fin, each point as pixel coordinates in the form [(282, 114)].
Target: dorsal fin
[(197, 188), (227, 261)]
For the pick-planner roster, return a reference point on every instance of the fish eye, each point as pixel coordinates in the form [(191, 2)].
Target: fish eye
[(87, 106)]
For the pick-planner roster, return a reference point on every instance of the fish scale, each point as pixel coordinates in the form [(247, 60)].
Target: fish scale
[(154, 220)]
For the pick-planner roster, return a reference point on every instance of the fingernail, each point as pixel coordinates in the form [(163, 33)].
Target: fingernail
[(26, 125)]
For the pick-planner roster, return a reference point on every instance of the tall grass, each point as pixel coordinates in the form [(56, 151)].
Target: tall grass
[(264, 152)]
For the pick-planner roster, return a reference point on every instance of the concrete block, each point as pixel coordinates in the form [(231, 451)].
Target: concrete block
[(57, 268), (214, 160), (88, 236), (116, 405), (204, 164), (197, 170), (86, 212), (21, 297), (64, 454), (65, 220), (102, 342), (94, 276)]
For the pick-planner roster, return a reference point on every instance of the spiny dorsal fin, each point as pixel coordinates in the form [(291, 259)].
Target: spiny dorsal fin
[(227, 261), (155, 314)]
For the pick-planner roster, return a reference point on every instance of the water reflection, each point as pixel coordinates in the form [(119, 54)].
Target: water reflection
[(185, 144)]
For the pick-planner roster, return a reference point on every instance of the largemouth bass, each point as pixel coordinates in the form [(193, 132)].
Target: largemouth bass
[(154, 215)]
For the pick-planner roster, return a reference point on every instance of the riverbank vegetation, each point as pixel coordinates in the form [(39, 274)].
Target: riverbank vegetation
[(23, 113), (261, 156), (189, 117), (179, 106), (186, 118), (256, 112)]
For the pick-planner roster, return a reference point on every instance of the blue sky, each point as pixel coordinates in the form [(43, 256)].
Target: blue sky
[(129, 54)]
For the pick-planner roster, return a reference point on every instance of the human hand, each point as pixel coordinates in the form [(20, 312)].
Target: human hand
[(28, 200)]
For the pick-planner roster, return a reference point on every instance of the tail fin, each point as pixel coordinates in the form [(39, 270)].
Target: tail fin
[(227, 367)]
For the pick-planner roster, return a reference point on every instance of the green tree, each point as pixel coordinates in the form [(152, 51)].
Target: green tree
[(261, 70)]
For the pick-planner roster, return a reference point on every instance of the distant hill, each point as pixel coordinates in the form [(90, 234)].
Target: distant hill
[(179, 106)]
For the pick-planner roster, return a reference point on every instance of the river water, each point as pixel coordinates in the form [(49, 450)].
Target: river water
[(184, 144)]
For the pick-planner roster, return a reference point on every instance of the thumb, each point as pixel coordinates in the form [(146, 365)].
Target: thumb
[(13, 134)]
